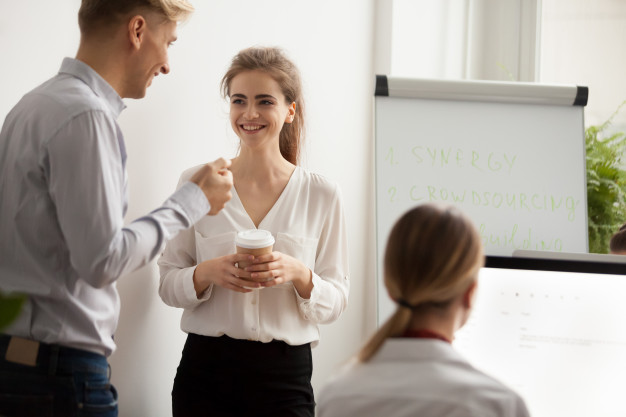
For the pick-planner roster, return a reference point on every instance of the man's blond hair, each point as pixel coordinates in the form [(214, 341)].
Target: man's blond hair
[(97, 14)]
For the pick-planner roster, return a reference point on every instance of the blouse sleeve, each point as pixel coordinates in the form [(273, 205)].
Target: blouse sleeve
[(331, 282), (176, 266)]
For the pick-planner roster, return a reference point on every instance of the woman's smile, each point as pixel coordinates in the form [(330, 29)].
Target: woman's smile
[(252, 128), (258, 107)]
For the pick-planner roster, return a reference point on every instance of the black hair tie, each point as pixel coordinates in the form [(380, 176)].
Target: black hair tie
[(405, 304)]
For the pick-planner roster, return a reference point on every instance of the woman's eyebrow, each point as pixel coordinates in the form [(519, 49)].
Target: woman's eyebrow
[(257, 97), (264, 96)]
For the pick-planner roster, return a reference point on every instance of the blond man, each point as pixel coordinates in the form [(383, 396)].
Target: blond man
[(62, 204)]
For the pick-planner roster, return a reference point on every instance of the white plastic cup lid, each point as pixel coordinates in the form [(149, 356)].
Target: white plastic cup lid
[(254, 239)]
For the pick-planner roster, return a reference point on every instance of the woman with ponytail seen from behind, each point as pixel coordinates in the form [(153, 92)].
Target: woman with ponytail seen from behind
[(409, 367)]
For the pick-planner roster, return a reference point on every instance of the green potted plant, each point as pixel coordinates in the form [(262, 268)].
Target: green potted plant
[(10, 306), (606, 184)]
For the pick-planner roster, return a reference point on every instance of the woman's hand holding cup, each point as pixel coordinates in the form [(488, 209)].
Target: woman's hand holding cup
[(257, 243)]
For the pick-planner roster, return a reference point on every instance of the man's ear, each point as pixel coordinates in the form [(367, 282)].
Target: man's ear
[(469, 295), (137, 26)]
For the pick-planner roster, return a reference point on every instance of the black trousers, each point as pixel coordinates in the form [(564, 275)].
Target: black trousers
[(221, 376)]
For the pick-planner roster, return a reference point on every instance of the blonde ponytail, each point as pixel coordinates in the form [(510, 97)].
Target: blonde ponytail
[(394, 326), (433, 255)]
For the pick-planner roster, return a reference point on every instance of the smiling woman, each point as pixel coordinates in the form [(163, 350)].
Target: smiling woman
[(262, 346), (258, 108), (285, 76), (183, 121)]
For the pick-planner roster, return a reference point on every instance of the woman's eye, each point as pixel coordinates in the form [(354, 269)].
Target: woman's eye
[(267, 102), (236, 101)]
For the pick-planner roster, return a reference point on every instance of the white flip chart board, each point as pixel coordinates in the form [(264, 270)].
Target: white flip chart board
[(510, 155)]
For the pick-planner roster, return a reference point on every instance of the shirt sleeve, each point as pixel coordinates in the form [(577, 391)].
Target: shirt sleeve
[(331, 282), (177, 265), (87, 183), (521, 409)]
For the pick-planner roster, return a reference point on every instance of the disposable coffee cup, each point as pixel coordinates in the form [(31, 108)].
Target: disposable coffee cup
[(254, 242)]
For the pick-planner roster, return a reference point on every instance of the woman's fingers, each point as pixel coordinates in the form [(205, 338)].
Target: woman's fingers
[(263, 266), (236, 288), (264, 275), (239, 272), (243, 282), (262, 259), (273, 282)]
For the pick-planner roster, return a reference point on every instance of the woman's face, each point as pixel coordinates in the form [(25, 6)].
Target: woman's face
[(258, 108)]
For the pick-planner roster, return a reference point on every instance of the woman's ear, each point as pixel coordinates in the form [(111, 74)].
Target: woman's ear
[(470, 295), (291, 114)]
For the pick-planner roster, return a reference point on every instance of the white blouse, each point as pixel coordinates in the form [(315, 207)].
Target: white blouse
[(308, 224), (417, 377)]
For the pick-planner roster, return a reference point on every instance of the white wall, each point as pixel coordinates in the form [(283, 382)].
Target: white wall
[(582, 42), (183, 122), (463, 39)]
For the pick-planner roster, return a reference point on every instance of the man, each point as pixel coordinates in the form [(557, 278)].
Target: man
[(62, 203), (617, 244)]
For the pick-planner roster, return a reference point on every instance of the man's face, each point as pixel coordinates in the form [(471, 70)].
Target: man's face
[(152, 57)]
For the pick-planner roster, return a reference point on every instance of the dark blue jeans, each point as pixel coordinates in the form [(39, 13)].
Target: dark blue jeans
[(65, 382)]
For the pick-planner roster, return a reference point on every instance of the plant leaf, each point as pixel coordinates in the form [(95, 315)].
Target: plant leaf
[(10, 307)]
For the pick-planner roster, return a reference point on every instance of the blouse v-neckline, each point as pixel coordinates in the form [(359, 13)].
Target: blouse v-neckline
[(269, 214)]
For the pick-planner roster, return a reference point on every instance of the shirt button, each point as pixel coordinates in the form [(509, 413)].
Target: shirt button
[(253, 329), (253, 301)]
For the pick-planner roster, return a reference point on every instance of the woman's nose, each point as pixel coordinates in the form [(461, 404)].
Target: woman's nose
[(251, 113)]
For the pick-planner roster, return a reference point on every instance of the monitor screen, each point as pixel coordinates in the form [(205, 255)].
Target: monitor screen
[(554, 331)]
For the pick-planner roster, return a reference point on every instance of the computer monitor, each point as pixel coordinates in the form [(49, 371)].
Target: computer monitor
[(554, 331)]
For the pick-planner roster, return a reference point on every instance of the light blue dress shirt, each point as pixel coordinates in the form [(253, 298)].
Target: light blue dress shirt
[(62, 204)]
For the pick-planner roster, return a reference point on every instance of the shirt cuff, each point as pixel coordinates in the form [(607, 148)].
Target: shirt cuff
[(192, 200), (189, 291), (307, 305)]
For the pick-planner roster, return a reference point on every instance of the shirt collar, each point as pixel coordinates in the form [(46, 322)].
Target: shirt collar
[(402, 349), (98, 84)]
